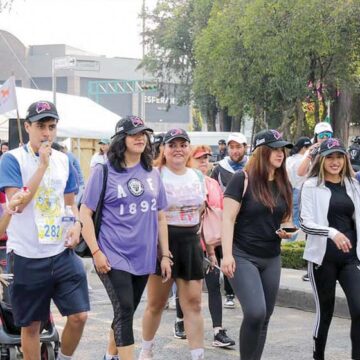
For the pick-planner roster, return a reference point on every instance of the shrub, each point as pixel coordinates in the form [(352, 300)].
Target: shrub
[(292, 255)]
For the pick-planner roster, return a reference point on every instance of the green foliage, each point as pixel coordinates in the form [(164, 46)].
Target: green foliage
[(292, 255)]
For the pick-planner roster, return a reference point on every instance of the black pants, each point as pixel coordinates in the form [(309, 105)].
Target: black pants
[(125, 291), (323, 280)]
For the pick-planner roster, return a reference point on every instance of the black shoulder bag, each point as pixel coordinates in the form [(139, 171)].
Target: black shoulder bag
[(82, 248)]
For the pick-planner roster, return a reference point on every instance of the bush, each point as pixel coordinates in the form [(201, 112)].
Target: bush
[(292, 255)]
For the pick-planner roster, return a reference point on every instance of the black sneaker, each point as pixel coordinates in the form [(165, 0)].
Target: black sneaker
[(306, 277), (222, 340), (179, 330)]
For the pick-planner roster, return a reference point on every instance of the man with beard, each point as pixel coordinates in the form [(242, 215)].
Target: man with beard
[(222, 173), (236, 160)]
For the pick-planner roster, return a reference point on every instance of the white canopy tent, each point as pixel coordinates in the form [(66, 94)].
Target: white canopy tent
[(80, 117)]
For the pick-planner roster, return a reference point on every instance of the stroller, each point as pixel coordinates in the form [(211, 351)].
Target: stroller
[(10, 338)]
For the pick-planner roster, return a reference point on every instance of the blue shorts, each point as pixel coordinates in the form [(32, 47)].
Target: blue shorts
[(61, 278)]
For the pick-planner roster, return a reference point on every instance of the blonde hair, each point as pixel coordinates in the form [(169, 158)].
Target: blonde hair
[(318, 169), (161, 159)]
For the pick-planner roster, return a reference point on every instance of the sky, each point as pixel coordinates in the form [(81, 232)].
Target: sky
[(104, 27)]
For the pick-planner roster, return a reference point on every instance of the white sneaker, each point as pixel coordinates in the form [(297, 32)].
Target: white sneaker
[(146, 355)]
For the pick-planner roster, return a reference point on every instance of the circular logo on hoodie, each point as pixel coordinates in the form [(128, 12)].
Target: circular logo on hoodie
[(136, 187)]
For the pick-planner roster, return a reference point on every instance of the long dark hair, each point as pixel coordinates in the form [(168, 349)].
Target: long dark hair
[(117, 149), (258, 169)]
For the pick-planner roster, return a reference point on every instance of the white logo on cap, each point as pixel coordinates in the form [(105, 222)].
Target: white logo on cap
[(260, 141)]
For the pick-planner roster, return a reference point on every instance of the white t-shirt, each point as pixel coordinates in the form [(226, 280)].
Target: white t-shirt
[(185, 195), (28, 231), (292, 165), (98, 159)]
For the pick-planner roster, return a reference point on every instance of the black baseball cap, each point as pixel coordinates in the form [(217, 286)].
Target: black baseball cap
[(158, 138), (303, 141), (130, 125), (222, 142), (41, 110), (271, 138), (176, 134), (330, 146)]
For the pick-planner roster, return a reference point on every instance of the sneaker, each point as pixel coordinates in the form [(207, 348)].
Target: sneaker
[(222, 340), (306, 277), (179, 330), (113, 358), (145, 355), (172, 303), (229, 302)]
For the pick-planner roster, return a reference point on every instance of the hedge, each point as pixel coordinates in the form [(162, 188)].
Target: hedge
[(292, 255)]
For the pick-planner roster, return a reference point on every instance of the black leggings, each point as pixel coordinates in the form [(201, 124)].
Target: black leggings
[(125, 291), (323, 280), (255, 283)]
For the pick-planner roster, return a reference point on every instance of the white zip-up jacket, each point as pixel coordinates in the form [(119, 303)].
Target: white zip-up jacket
[(314, 209)]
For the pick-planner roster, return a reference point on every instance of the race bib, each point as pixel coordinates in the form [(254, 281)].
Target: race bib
[(49, 230), (48, 215)]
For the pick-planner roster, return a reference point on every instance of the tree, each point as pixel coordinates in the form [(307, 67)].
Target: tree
[(170, 35), (269, 56)]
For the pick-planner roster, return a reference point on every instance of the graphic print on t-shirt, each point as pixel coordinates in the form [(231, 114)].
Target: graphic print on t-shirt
[(136, 187)]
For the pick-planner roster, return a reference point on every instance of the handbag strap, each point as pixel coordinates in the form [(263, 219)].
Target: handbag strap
[(98, 212)]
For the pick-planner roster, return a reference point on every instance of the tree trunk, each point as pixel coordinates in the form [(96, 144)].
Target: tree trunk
[(341, 115), (211, 119), (300, 120), (236, 123)]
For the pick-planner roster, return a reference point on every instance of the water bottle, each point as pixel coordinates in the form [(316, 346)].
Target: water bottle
[(67, 221)]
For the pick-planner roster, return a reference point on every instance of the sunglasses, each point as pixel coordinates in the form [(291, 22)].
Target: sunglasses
[(325, 134)]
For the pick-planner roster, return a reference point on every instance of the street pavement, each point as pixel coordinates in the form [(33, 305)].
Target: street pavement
[(289, 336)]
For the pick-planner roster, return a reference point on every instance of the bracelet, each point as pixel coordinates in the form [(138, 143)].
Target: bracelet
[(80, 222), (98, 249), (167, 256)]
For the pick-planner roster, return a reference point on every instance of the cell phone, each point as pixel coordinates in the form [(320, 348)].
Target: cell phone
[(209, 263), (289, 229)]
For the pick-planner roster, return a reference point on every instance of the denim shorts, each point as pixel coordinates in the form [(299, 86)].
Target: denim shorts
[(60, 278)]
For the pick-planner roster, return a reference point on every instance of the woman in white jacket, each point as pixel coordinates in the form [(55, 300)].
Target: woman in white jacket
[(330, 215)]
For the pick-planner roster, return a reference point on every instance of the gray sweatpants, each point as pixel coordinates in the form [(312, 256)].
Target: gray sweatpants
[(255, 283)]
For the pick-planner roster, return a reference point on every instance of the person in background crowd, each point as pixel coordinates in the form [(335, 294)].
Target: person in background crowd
[(132, 224), (222, 150), (322, 132), (214, 197), (252, 236), (330, 215), (157, 144), (222, 173), (292, 164), (185, 190), (38, 254), (4, 148), (101, 156), (354, 152)]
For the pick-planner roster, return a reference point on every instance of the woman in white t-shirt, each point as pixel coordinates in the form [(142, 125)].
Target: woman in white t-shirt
[(185, 191), (292, 164), (101, 156)]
